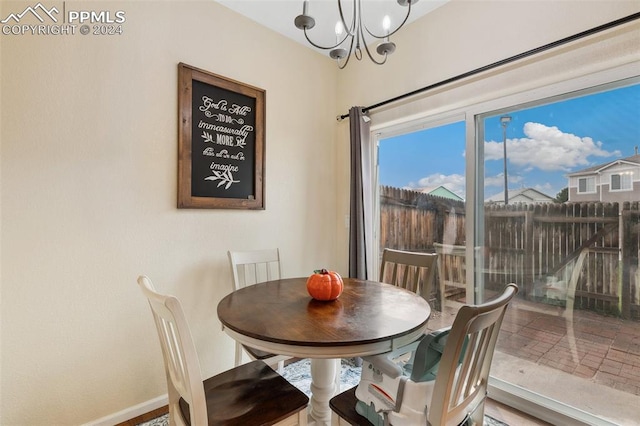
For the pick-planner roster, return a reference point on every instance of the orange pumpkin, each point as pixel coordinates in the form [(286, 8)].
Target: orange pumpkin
[(325, 285)]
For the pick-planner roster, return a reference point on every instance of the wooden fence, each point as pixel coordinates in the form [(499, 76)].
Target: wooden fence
[(545, 248), (413, 221)]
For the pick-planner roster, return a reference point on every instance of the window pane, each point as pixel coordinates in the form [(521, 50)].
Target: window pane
[(422, 193), (615, 181), (571, 245), (582, 185), (622, 181)]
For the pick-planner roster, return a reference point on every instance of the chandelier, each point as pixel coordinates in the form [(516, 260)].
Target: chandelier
[(354, 34)]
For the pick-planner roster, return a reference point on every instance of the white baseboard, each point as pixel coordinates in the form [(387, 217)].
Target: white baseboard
[(131, 412)]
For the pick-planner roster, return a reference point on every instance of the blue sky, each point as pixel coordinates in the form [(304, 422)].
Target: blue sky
[(543, 145)]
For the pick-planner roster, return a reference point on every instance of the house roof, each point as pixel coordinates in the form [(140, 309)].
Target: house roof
[(633, 160), (441, 191), (521, 195)]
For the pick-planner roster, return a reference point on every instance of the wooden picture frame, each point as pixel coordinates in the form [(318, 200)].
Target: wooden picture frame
[(221, 142)]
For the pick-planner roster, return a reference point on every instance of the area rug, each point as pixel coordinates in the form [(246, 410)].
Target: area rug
[(298, 374)]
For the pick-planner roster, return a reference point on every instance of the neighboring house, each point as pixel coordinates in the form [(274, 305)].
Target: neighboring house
[(441, 191), (522, 195), (615, 181)]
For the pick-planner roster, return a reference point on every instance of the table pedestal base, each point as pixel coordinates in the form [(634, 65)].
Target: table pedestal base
[(323, 388)]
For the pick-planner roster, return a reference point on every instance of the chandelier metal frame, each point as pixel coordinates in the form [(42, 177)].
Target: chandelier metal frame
[(355, 32)]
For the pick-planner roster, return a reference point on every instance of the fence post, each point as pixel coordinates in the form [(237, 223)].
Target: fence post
[(529, 261), (630, 220)]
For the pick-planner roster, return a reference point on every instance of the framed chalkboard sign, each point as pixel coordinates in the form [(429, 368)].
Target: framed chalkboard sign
[(221, 142)]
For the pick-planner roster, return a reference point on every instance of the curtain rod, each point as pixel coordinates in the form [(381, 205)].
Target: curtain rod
[(508, 60)]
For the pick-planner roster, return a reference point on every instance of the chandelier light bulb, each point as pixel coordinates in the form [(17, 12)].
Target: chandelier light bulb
[(386, 23), (339, 30), (386, 26)]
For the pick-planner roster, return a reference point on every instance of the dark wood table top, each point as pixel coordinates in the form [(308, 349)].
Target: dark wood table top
[(283, 313)]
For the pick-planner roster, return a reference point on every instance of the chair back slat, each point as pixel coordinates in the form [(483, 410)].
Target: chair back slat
[(254, 266)]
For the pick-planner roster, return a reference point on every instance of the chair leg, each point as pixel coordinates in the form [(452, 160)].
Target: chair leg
[(302, 417), (238, 354), (335, 420), (338, 421), (338, 375), (477, 416)]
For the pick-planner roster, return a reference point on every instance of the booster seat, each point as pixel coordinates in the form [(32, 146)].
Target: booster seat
[(396, 387)]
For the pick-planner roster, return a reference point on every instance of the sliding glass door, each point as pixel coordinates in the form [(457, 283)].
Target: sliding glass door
[(551, 185), (422, 189), (559, 217)]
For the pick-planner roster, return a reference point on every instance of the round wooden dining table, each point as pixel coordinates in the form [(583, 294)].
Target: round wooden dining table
[(280, 317)]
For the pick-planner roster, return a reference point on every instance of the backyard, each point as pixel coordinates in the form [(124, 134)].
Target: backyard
[(576, 321), (588, 361)]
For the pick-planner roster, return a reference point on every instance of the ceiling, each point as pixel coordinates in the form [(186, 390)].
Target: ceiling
[(279, 15)]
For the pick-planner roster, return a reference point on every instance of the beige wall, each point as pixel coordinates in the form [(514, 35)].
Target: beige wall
[(88, 184), (89, 165)]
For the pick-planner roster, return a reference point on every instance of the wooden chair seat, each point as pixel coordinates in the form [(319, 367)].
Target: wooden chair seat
[(345, 408), (257, 353), (251, 394)]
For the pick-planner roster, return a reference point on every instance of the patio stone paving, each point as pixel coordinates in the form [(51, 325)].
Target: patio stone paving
[(605, 350)]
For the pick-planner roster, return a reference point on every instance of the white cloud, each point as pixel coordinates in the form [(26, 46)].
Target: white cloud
[(547, 188), (498, 180), (454, 183), (549, 149), (494, 180)]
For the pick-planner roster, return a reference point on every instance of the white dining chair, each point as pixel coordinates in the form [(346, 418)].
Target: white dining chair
[(253, 267), (445, 390), (452, 268), (249, 268), (414, 271), (251, 394)]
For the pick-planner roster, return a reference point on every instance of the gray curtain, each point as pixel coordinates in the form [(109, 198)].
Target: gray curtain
[(361, 196)]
